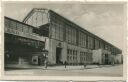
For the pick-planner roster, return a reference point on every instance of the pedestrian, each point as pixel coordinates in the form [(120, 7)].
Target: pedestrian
[(46, 58), (65, 63), (39, 61), (45, 62), (99, 65), (113, 63), (85, 65)]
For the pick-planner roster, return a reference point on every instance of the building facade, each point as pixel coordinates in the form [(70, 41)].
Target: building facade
[(77, 46), (21, 42), (68, 42)]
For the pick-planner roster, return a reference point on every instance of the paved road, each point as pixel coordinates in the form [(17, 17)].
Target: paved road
[(113, 71)]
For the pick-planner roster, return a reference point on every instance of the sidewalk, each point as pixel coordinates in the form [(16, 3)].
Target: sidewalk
[(91, 70), (60, 67)]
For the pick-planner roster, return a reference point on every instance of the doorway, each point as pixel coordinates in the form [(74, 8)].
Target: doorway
[(106, 59), (58, 55)]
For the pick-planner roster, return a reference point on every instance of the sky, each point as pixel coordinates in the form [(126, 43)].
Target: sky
[(103, 20)]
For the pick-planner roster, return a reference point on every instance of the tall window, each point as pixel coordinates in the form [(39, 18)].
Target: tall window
[(25, 29), (101, 45), (19, 27), (82, 39), (91, 43), (80, 42), (61, 32), (53, 30), (70, 34), (30, 29), (85, 40), (57, 30), (13, 25), (7, 23), (69, 39), (67, 33), (96, 44)]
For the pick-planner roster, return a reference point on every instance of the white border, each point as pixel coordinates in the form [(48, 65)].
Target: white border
[(78, 78)]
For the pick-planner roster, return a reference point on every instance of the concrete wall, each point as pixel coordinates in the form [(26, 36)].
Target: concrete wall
[(52, 51), (110, 56), (64, 52), (53, 44), (97, 56), (118, 59)]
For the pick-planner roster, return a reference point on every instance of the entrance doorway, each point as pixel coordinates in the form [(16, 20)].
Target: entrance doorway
[(106, 59), (58, 55)]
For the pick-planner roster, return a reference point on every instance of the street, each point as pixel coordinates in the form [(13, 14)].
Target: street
[(91, 70)]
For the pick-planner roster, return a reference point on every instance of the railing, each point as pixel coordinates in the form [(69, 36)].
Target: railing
[(23, 34)]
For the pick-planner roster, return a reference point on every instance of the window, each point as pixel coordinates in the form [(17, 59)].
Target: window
[(73, 58), (53, 30), (68, 51), (82, 39), (7, 23), (91, 43), (61, 32), (30, 29), (67, 33), (88, 42), (19, 27), (23, 26), (69, 38), (71, 52), (57, 31), (70, 34), (106, 47), (68, 58), (13, 25), (96, 44), (27, 29), (76, 53), (74, 36)]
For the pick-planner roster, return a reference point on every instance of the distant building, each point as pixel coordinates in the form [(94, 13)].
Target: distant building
[(64, 40)]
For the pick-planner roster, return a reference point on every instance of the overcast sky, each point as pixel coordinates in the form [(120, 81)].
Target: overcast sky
[(103, 20)]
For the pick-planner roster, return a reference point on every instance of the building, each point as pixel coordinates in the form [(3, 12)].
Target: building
[(21, 42), (66, 41)]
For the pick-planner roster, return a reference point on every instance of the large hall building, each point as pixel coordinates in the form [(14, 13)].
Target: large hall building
[(64, 40)]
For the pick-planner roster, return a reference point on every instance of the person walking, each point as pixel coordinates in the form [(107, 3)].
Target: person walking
[(39, 61), (45, 62), (65, 63), (85, 65)]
